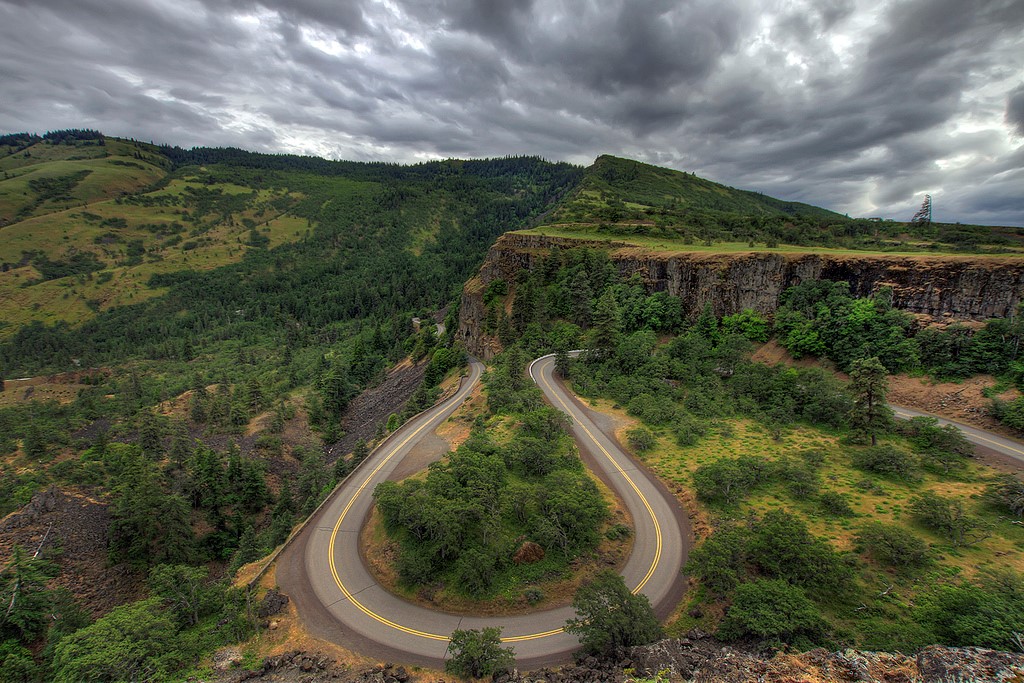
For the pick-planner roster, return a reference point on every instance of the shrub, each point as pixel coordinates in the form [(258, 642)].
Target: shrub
[(640, 439), (476, 654), (893, 545), (689, 430), (947, 517), (609, 616), (727, 480), (988, 614), (887, 460), (773, 609), (835, 504), (782, 547), (1007, 492), (719, 562), (801, 481), (533, 595)]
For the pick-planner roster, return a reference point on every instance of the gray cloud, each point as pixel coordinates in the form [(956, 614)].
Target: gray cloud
[(856, 105), (1015, 109)]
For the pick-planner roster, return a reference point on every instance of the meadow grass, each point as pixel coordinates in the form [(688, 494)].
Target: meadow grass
[(660, 244)]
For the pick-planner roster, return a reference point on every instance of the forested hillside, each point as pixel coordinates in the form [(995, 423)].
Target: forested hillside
[(210, 314)]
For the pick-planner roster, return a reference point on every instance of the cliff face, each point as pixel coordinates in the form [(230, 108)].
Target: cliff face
[(958, 287)]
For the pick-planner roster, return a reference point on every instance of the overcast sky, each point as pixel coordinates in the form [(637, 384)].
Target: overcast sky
[(861, 106)]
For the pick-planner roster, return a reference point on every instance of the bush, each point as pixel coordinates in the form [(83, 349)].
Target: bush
[(689, 430), (640, 439), (782, 547), (609, 616), (835, 504), (771, 609), (652, 410), (133, 642), (988, 614), (947, 517), (887, 460), (533, 595), (801, 481), (1007, 492), (476, 654), (719, 562), (944, 448), (727, 480), (893, 545)]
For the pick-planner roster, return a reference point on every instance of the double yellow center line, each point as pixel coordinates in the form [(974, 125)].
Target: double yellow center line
[(437, 636)]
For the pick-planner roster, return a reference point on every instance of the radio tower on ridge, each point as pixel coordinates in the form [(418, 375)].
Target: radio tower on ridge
[(924, 214)]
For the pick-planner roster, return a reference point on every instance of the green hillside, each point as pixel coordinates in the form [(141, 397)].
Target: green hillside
[(622, 198), (89, 225), (621, 190)]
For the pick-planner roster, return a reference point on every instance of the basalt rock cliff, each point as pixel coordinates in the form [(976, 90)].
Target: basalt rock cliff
[(966, 287)]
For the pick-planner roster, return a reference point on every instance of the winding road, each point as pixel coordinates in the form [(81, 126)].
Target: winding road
[(340, 601), (325, 574)]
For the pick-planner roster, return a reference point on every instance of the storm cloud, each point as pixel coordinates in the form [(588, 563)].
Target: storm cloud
[(857, 105)]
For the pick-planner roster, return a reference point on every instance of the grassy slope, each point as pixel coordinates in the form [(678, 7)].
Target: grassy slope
[(89, 222), (666, 245), (666, 210), (661, 194), (873, 498)]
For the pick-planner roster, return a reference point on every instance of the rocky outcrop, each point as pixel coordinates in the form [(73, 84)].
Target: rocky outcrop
[(947, 286), (697, 658)]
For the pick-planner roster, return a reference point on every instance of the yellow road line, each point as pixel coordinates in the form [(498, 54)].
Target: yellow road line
[(970, 434), (643, 499), (436, 636)]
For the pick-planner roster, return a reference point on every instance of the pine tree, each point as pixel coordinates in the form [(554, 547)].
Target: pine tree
[(24, 598), (869, 384), (607, 324)]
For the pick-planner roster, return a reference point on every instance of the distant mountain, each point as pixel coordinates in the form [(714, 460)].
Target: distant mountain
[(620, 190), (627, 198)]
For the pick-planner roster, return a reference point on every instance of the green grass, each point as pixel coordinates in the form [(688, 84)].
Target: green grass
[(675, 244), (206, 242), (119, 172)]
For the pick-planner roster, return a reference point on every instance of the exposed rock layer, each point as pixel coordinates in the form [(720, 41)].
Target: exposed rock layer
[(696, 658), (958, 287)]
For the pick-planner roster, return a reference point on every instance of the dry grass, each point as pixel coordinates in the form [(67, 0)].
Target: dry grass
[(668, 245)]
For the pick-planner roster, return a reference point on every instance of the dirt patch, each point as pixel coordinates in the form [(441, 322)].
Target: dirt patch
[(963, 401), (77, 528), (456, 429), (772, 353)]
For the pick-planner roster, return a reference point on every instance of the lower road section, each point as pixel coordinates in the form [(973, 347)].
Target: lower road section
[(339, 599)]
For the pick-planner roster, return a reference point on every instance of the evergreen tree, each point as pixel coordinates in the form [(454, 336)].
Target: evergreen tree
[(869, 385), (607, 324), (581, 298), (24, 598)]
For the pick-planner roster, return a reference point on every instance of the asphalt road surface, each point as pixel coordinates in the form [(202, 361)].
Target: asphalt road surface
[(339, 600), (979, 437)]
